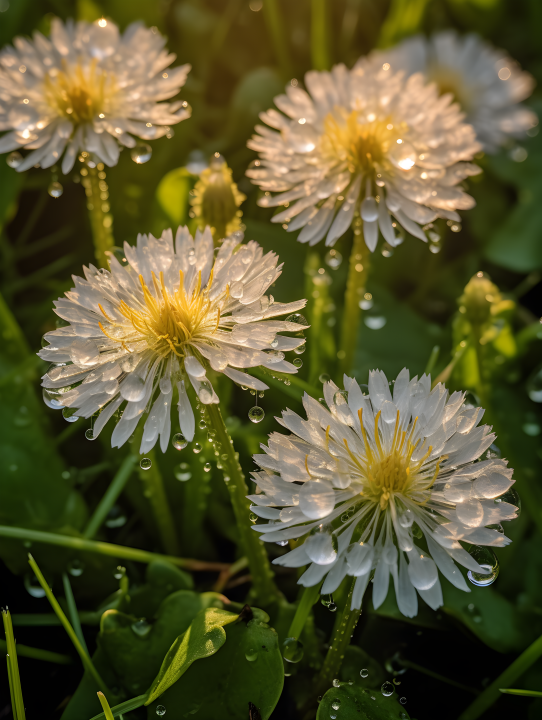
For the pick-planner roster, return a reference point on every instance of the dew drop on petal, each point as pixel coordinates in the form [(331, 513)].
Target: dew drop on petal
[(141, 153), (387, 689), (316, 499), (55, 189), (145, 464), (297, 318), (179, 441), (487, 560), (69, 414), (256, 414), (292, 650)]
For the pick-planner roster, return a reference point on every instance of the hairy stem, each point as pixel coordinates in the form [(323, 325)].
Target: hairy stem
[(264, 588), (355, 288), (101, 220), (340, 641)]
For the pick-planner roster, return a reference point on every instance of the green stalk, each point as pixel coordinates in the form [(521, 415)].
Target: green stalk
[(72, 611), (295, 389), (102, 548), (101, 220), (355, 288), (107, 710), (38, 653), (155, 493), (15, 690), (340, 641), (85, 658), (404, 18), (277, 30), (514, 671), (113, 491), (308, 597), (320, 37), (252, 547)]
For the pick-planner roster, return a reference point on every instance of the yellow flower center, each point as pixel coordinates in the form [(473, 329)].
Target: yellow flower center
[(386, 473), (167, 321), (80, 94), (361, 144), (451, 81)]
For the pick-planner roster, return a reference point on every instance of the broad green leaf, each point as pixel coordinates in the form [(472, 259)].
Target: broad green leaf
[(137, 647), (84, 702), (204, 637), (355, 659), (353, 702), (172, 194), (248, 668)]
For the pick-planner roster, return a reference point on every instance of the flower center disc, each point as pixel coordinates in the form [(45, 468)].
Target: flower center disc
[(79, 94)]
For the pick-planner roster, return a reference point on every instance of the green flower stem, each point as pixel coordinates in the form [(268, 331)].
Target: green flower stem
[(15, 690), (156, 494), (277, 30), (102, 548), (38, 654), (404, 18), (355, 289), (308, 597), (85, 658), (340, 641), (72, 612), (101, 220), (514, 671), (252, 547), (113, 491), (320, 38), (296, 388)]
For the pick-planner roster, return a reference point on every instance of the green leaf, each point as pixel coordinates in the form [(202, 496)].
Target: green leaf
[(204, 637), (248, 668), (355, 658), (136, 647), (527, 693), (358, 703), (172, 194), (124, 707)]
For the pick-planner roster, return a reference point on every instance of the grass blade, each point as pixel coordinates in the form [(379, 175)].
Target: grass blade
[(15, 689), (72, 611)]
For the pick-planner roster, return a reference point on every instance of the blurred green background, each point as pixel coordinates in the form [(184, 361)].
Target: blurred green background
[(242, 54)]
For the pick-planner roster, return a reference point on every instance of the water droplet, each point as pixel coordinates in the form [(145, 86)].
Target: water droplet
[(196, 447), (252, 517), (402, 701), (179, 441), (141, 627), (89, 434), (336, 704), (55, 189), (532, 429), (297, 362), (119, 573), (75, 567), (336, 682), (333, 259), (69, 414), (324, 377), (160, 710), (292, 650), (14, 159), (256, 414), (282, 543), (145, 464), (141, 153), (403, 716), (207, 467), (297, 318), (115, 517), (326, 600), (474, 612), (182, 472), (32, 586), (332, 607), (341, 397), (251, 654), (387, 689), (406, 519), (534, 385), (202, 424), (375, 322), (487, 560), (435, 248), (364, 672)]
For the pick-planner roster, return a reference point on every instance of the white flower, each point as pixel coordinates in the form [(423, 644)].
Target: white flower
[(142, 331), (364, 140), (87, 88), (486, 82), (354, 479)]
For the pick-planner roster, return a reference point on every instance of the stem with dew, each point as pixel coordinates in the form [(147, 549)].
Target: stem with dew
[(264, 588), (339, 642), (101, 221), (355, 288)]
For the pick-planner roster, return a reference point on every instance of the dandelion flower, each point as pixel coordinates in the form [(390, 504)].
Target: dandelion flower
[(142, 331), (366, 479), (216, 199), (364, 141), (486, 82), (86, 88)]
